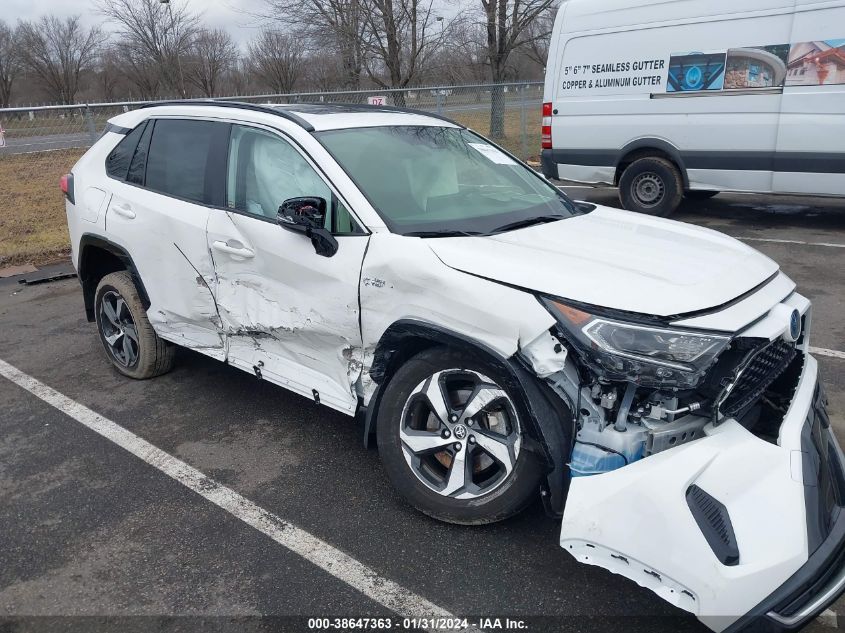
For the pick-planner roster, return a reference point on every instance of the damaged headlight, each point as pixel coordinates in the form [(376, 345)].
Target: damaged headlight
[(644, 354)]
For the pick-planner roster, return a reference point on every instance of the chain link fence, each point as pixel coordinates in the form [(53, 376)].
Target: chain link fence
[(39, 144)]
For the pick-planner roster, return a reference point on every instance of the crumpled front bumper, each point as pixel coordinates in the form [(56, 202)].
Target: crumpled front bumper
[(778, 505)]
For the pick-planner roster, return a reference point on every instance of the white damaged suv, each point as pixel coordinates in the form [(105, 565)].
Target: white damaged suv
[(649, 379)]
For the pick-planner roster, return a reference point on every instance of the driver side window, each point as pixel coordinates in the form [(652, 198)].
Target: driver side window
[(264, 170)]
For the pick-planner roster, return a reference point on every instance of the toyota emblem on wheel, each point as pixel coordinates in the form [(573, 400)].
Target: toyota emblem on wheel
[(460, 431)]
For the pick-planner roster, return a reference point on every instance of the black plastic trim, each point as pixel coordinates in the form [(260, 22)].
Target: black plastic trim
[(89, 285), (819, 482), (111, 127), (799, 162), (715, 524), (825, 561)]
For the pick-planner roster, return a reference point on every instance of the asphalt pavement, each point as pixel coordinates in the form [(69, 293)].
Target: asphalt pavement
[(98, 535)]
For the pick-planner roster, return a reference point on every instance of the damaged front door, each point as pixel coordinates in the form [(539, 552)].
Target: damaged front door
[(290, 315)]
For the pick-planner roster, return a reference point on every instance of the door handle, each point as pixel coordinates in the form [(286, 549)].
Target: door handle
[(233, 247), (124, 210)]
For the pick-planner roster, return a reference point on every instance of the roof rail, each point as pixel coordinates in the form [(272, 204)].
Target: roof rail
[(241, 105), (376, 108)]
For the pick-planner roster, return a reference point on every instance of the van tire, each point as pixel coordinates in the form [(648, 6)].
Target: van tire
[(652, 186), (700, 194), (151, 355)]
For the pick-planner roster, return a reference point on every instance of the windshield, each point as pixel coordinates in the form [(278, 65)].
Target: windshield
[(431, 181)]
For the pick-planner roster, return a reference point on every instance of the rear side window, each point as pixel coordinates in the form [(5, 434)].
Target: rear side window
[(117, 162), (186, 159)]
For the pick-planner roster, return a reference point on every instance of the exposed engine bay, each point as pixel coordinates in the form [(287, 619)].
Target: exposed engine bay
[(627, 409)]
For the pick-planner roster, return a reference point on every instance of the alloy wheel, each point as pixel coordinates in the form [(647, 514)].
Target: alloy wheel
[(119, 330), (460, 434)]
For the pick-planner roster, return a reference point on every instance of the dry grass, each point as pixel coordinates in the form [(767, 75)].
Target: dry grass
[(33, 226), (480, 122)]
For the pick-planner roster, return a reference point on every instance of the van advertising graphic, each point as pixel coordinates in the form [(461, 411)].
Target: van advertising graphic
[(756, 67), (696, 71), (615, 76), (747, 68), (820, 63)]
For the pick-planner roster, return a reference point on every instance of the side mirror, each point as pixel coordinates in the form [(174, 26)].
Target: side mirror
[(308, 216)]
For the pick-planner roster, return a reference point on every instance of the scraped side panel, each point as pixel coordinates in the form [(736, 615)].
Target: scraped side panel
[(166, 239), (289, 314), (402, 278)]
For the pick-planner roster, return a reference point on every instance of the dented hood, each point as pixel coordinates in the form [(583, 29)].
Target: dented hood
[(615, 259)]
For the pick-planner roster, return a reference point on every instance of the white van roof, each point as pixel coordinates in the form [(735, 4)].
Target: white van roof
[(589, 15)]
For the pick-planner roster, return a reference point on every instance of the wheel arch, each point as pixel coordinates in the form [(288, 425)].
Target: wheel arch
[(550, 427), (97, 258), (645, 147)]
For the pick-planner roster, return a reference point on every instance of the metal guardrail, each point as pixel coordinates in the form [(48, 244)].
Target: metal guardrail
[(69, 130)]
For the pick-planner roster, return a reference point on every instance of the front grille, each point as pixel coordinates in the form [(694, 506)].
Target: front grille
[(754, 375)]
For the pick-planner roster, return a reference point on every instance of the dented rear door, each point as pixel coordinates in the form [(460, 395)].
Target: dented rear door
[(289, 315), (159, 215)]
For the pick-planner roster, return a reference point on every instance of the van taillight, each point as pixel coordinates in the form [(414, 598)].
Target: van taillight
[(66, 183), (546, 136)]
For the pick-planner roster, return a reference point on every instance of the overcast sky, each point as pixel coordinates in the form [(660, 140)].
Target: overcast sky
[(226, 14), (217, 13)]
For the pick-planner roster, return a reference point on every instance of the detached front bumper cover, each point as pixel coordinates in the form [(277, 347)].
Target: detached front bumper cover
[(783, 504), (821, 580)]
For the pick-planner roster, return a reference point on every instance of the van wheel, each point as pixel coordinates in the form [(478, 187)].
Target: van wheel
[(652, 186), (130, 342), (450, 435), (700, 194)]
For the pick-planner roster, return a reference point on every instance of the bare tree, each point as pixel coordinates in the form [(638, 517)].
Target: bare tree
[(507, 25), (153, 35), (463, 56), (403, 37), (336, 26), (10, 62), (539, 37), (57, 52), (109, 71), (276, 59), (323, 72), (143, 73), (237, 79), (212, 53)]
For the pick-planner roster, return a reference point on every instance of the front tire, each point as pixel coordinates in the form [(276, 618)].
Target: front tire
[(130, 341), (451, 438), (652, 186)]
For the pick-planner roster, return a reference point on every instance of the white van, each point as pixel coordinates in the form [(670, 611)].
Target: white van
[(693, 97)]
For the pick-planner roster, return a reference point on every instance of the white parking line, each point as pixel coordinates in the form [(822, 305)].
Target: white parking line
[(330, 559), (769, 239), (821, 351)]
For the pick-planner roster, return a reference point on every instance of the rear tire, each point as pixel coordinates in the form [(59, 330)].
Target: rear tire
[(700, 194), (498, 477), (652, 186), (130, 342)]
